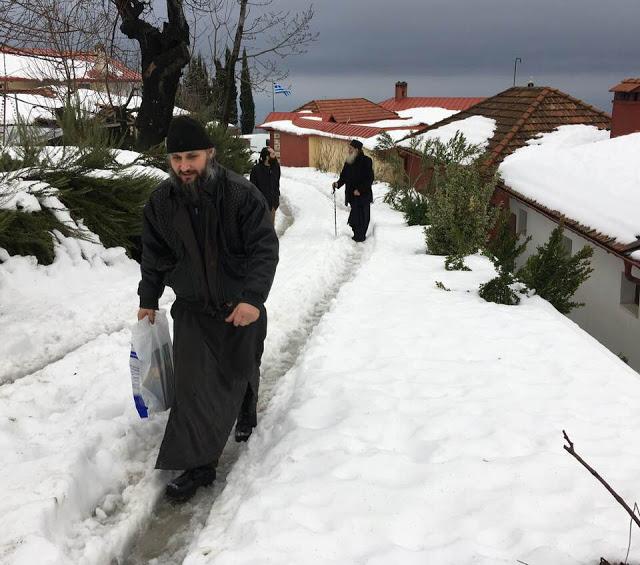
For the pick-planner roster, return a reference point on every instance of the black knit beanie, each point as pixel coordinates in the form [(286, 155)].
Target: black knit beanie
[(355, 143), (187, 134)]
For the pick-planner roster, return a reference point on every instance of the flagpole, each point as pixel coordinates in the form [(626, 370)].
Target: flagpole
[(273, 96)]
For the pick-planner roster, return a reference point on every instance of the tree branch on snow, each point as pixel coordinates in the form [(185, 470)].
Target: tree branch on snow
[(571, 450)]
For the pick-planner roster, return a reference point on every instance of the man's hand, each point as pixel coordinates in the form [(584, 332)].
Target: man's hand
[(356, 192), (272, 153), (146, 312), (243, 315), (334, 185)]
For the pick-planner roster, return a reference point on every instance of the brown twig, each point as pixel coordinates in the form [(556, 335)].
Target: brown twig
[(570, 449)]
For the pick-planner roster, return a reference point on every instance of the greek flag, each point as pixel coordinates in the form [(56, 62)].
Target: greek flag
[(281, 90)]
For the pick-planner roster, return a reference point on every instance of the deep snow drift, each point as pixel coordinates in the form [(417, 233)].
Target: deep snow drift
[(417, 425)]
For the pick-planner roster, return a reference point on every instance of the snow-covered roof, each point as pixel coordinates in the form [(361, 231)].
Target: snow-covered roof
[(304, 122), (415, 117), (50, 65), (30, 107), (476, 129), (581, 173), (522, 113)]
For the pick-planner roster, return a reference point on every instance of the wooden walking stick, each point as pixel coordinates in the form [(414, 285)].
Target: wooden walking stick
[(335, 215)]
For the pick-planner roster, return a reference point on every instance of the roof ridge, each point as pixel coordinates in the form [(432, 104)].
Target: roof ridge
[(518, 126), (582, 103)]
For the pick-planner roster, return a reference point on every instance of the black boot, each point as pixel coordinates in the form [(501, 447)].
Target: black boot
[(183, 487), (248, 417), (243, 431)]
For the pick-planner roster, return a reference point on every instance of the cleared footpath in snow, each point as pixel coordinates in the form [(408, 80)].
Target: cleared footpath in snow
[(77, 462), (425, 426)]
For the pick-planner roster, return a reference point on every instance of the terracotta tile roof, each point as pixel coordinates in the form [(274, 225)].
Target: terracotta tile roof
[(522, 113), (410, 102), (627, 85), (348, 110), (122, 72)]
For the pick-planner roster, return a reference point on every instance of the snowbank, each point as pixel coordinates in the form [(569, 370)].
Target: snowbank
[(581, 173), (425, 426)]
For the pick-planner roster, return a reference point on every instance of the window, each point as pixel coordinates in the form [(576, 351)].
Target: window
[(522, 221), (568, 244), (630, 296)]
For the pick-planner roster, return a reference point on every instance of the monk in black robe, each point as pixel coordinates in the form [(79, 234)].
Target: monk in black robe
[(207, 233)]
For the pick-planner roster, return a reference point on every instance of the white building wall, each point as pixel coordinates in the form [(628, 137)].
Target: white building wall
[(614, 325)]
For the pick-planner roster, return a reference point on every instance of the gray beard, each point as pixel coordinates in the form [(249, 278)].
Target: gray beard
[(191, 192), (351, 157)]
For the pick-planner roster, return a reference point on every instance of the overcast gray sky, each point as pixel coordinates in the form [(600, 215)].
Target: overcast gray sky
[(461, 48)]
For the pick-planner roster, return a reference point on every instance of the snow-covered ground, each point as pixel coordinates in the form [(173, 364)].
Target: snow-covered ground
[(415, 426)]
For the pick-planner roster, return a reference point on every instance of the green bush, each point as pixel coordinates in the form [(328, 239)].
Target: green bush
[(434, 156), (455, 263), (459, 211), (415, 209), (503, 251), (554, 274), (499, 290), (231, 150), (110, 207), (31, 233)]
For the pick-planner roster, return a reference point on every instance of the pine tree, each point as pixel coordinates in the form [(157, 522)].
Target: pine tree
[(195, 93), (248, 108), (556, 275), (233, 116), (218, 88)]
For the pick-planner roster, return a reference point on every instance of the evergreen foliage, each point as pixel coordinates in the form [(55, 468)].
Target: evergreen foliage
[(110, 207), (247, 106), (231, 152), (219, 90), (505, 248), (196, 93), (554, 274), (31, 233), (110, 204), (459, 210), (503, 251), (499, 290), (455, 263), (435, 157)]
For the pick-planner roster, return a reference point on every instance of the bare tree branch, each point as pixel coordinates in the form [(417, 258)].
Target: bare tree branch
[(571, 450)]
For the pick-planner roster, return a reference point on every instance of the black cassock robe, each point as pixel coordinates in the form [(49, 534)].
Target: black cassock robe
[(214, 255)]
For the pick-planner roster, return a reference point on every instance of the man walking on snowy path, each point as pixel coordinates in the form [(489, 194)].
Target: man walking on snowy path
[(357, 174), (266, 177), (207, 233)]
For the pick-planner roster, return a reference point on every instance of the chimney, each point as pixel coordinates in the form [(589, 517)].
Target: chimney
[(530, 83), (625, 117), (401, 90)]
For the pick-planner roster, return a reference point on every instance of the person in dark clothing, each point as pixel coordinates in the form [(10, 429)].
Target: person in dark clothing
[(266, 177), (208, 235), (357, 175)]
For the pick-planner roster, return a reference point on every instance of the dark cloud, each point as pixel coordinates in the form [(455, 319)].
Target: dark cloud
[(463, 48)]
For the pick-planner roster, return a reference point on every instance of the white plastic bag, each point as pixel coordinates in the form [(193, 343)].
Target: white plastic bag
[(151, 363)]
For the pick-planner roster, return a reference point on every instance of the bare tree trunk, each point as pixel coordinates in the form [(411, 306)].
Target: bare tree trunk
[(164, 54), (230, 71)]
